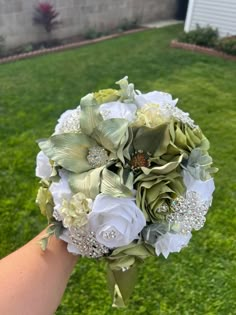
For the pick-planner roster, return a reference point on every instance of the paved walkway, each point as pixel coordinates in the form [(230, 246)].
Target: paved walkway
[(164, 23)]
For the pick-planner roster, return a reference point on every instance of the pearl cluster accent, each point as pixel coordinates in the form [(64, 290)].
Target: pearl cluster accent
[(86, 243), (173, 111), (189, 212), (97, 156)]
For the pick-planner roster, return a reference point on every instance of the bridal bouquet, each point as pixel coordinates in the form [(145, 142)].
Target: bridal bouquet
[(124, 176)]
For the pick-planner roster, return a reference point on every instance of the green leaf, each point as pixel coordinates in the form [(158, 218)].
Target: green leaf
[(127, 93), (111, 184), (87, 183), (139, 250), (113, 135), (56, 229), (69, 150), (90, 116), (160, 170), (44, 243), (153, 140)]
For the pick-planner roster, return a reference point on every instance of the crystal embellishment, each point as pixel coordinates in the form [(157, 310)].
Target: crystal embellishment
[(189, 212), (173, 111), (97, 156), (71, 123), (110, 234), (163, 208), (86, 243)]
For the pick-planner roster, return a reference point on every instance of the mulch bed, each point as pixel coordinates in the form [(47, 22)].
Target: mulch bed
[(67, 46), (201, 49)]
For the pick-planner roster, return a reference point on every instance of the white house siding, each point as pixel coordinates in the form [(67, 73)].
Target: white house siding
[(220, 14)]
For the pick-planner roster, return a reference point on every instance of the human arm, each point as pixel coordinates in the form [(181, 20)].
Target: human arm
[(33, 281)]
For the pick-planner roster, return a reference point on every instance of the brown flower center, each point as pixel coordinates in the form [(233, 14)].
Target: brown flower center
[(139, 159)]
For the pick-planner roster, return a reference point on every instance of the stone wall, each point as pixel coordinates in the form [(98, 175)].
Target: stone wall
[(77, 17)]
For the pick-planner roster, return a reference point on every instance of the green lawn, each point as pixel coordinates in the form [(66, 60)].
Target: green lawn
[(201, 279)]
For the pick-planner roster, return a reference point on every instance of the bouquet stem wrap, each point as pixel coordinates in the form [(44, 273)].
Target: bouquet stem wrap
[(121, 284)]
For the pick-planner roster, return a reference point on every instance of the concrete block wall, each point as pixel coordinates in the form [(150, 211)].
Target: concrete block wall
[(77, 17)]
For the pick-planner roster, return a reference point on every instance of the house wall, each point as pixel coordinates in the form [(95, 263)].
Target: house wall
[(77, 17), (220, 14)]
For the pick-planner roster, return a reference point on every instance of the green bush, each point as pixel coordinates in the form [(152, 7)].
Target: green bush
[(202, 36), (2, 45), (227, 45), (92, 34), (126, 25)]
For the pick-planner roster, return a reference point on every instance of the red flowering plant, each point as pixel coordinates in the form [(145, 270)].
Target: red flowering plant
[(46, 15)]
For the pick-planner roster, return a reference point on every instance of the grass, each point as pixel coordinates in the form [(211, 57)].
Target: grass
[(201, 279)]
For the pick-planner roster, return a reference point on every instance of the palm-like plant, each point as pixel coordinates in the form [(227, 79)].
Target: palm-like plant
[(45, 15)]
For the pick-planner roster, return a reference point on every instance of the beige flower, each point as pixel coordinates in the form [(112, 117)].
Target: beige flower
[(149, 116), (74, 212)]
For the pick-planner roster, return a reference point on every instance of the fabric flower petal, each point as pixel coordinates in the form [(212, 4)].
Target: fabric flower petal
[(205, 189), (118, 110), (171, 243), (155, 97), (43, 166)]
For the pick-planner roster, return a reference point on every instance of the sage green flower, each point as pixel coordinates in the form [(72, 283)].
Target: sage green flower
[(87, 153), (155, 180), (199, 165), (159, 180), (106, 96), (183, 139), (157, 186)]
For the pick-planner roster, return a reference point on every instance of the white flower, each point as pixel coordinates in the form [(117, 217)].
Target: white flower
[(60, 191), (69, 121), (171, 243), (118, 110), (155, 97), (204, 189), (115, 221), (43, 166)]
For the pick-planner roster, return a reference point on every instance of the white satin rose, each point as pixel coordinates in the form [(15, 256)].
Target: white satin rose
[(115, 221), (155, 97), (118, 110), (171, 243), (43, 166), (204, 189)]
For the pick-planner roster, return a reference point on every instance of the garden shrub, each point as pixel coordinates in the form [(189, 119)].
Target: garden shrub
[(126, 24), (2, 45), (227, 45), (202, 36), (92, 34)]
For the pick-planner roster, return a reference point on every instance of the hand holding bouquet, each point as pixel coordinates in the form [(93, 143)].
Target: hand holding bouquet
[(125, 176)]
